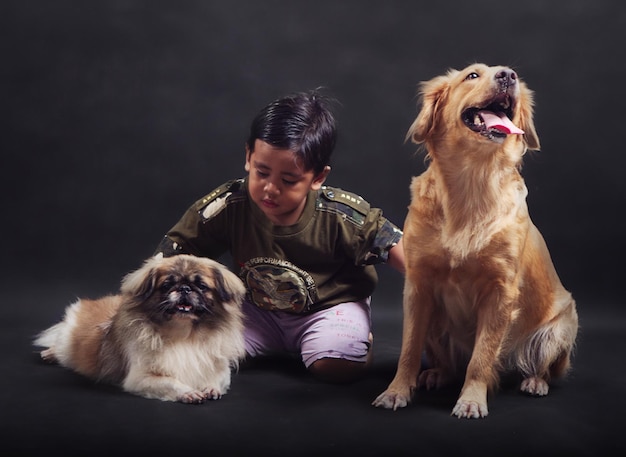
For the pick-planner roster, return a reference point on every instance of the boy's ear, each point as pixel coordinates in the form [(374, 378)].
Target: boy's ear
[(247, 164), (320, 178)]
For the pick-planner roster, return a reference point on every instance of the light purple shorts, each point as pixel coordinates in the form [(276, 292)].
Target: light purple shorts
[(340, 332)]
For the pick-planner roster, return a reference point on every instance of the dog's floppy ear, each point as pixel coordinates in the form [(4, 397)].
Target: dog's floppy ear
[(228, 285), (431, 93), (141, 282), (526, 118)]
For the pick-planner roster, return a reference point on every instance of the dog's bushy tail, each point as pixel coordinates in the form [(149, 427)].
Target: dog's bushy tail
[(546, 353), (56, 339), (50, 336)]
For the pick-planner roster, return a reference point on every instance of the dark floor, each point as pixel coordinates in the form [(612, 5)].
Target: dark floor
[(275, 408)]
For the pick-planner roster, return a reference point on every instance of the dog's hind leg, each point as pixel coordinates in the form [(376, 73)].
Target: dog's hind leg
[(48, 355), (443, 360)]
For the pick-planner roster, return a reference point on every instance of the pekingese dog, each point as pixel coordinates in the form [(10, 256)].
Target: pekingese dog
[(173, 333), (481, 294)]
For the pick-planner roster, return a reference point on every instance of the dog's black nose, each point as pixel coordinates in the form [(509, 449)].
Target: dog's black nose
[(506, 77), (185, 289)]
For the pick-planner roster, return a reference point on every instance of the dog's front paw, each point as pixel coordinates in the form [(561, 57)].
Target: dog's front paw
[(535, 386), (212, 393), (194, 397), (391, 399), (469, 409)]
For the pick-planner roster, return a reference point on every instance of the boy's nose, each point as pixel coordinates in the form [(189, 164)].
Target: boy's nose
[(270, 188)]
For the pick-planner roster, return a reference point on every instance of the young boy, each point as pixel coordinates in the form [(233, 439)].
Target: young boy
[(305, 251)]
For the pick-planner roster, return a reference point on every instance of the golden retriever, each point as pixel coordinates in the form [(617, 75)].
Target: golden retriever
[(481, 293)]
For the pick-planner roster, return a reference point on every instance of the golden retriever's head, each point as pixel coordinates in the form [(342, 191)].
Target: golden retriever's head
[(479, 104), (184, 288)]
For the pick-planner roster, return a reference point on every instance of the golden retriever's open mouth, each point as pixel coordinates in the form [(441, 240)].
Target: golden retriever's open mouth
[(492, 120)]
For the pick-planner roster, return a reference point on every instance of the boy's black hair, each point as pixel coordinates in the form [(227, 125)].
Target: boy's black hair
[(302, 122)]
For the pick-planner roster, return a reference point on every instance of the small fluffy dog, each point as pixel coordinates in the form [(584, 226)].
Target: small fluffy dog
[(173, 333), (481, 294)]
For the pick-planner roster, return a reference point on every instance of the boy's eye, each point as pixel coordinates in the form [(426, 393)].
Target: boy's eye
[(289, 183)]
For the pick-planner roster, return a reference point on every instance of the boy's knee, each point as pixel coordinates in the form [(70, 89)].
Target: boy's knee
[(337, 371), (341, 371)]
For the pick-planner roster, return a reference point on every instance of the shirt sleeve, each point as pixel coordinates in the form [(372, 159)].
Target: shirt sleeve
[(192, 234), (379, 235)]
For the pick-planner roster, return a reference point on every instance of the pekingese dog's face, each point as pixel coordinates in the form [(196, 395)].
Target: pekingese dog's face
[(181, 287)]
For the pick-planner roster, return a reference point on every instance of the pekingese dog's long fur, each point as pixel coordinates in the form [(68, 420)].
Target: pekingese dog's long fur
[(173, 333), (481, 294)]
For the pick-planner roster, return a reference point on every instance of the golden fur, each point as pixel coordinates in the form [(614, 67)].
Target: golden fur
[(173, 333), (481, 293)]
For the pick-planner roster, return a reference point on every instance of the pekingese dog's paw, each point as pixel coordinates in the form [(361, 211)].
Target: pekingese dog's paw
[(212, 393), (200, 396), (48, 355), (195, 397)]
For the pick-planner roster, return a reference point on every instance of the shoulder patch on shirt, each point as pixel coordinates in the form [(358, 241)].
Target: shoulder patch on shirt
[(212, 203), (354, 201)]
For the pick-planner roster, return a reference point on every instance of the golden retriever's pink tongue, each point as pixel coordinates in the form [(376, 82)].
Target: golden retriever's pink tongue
[(499, 121)]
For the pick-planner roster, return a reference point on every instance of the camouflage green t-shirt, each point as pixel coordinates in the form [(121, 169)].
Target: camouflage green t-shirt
[(326, 258)]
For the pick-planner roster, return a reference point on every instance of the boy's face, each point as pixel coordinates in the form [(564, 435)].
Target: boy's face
[(278, 184)]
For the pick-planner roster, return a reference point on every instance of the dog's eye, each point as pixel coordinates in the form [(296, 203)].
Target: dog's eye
[(472, 75), (201, 285), (167, 284)]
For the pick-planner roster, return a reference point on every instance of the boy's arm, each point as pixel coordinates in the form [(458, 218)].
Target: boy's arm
[(396, 257)]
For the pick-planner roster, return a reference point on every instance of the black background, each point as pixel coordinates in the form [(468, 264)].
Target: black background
[(116, 115)]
